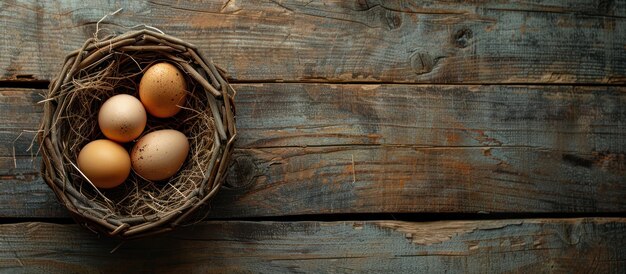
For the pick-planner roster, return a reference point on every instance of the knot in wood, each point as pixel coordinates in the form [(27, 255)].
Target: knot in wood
[(462, 37), (393, 20), (421, 62), (242, 172)]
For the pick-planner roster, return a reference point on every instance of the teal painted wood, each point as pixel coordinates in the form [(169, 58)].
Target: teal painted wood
[(342, 41), (534, 245), (324, 149)]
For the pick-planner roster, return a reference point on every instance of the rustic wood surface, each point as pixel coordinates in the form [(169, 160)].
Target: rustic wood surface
[(323, 148), (570, 119), (375, 41), (530, 246), (433, 109)]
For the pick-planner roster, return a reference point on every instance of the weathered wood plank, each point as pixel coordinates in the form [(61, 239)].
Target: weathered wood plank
[(366, 179), (363, 179), (578, 120), (573, 119), (27, 196), (457, 148), (593, 245), (391, 41)]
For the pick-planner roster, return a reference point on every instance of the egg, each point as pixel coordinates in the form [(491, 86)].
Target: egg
[(122, 118), (162, 90), (105, 163), (160, 154)]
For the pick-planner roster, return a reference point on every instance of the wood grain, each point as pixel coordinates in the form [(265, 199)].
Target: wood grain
[(534, 245), (363, 179), (325, 180), (346, 41), (317, 148), (448, 122), (577, 120)]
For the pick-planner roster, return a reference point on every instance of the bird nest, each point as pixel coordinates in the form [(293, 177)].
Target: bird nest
[(114, 65)]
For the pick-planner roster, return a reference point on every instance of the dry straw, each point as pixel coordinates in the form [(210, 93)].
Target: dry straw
[(113, 65)]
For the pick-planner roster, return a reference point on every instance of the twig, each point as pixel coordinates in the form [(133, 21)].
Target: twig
[(102, 19), (117, 246)]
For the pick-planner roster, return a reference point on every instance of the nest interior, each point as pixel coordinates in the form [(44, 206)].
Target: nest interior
[(113, 65)]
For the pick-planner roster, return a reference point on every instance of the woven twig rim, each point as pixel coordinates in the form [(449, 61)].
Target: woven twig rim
[(221, 103)]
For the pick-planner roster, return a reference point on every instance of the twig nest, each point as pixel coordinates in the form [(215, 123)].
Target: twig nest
[(195, 122)]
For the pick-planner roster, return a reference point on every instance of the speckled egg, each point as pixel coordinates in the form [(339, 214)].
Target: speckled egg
[(160, 154), (163, 90)]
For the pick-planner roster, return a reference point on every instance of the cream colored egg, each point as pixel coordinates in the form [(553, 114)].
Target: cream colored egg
[(163, 90), (160, 154), (122, 118), (105, 163)]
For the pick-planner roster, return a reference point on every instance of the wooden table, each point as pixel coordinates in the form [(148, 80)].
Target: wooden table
[(379, 136)]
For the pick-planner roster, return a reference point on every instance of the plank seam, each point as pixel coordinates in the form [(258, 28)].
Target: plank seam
[(43, 84)]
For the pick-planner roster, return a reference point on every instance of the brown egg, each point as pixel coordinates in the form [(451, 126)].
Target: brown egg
[(122, 118), (105, 163), (160, 154), (162, 90)]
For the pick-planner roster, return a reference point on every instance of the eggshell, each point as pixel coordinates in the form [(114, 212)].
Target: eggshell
[(160, 154), (162, 90), (105, 163), (122, 118)]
